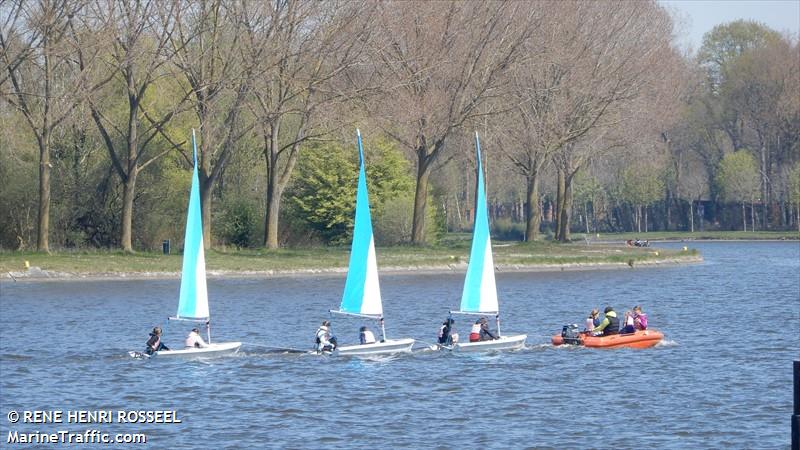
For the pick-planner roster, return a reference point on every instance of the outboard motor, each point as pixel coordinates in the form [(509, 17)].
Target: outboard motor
[(570, 334)]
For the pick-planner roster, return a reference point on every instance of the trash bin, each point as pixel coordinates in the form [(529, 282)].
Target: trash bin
[(165, 246)]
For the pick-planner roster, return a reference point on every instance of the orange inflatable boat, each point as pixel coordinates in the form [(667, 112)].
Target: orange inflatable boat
[(639, 339)]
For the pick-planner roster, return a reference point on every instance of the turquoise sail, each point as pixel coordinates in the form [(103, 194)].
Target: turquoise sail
[(362, 294), (480, 290), (193, 302)]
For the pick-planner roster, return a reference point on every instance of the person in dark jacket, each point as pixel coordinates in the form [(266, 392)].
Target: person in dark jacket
[(610, 323), (445, 332), (154, 344), (486, 334)]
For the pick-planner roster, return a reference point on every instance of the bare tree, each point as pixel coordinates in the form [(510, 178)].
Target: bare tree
[(622, 47), (137, 46), (441, 63), (298, 49), (42, 80), (207, 44)]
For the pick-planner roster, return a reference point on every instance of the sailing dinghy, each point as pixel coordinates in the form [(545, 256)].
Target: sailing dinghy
[(480, 291), (362, 293), (193, 303)]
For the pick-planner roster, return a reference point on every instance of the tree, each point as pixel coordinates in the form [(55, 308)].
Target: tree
[(738, 180), (642, 185), (138, 51), (622, 49), (324, 193), (216, 80), (794, 190), (298, 50), (43, 81), (440, 63)]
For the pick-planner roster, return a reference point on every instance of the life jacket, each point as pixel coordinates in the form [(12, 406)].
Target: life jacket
[(156, 343), (640, 321), (475, 332), (613, 325), (321, 336)]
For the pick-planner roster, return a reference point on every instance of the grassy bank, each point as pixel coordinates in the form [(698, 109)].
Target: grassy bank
[(453, 254)]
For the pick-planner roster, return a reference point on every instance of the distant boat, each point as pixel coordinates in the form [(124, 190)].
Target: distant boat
[(193, 302), (479, 296), (362, 293)]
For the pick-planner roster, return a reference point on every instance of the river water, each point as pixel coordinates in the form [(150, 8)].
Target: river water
[(721, 379)]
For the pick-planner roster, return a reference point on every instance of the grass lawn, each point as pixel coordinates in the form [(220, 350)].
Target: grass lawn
[(453, 251)]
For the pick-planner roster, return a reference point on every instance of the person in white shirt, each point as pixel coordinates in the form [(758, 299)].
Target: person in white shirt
[(325, 341), (366, 336), (194, 340)]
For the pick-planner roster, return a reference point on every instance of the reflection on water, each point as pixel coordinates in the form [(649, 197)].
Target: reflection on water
[(722, 377)]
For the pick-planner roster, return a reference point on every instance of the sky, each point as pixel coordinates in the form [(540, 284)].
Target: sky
[(697, 17)]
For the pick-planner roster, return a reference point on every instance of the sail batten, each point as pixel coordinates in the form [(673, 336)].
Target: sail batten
[(193, 303), (362, 294), (480, 290)]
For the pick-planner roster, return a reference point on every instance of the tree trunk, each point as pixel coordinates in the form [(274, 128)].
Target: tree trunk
[(560, 194), (566, 209), (43, 234), (421, 197), (753, 217), (586, 216), (206, 188), (744, 218), (128, 193), (645, 218), (532, 212), (273, 202), (691, 216), (638, 218), (764, 187)]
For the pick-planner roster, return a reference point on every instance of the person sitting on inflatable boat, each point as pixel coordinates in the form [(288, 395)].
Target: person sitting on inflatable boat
[(639, 318), (609, 325), (593, 320)]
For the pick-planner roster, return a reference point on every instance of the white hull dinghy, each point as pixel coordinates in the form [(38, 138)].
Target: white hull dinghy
[(479, 296), (193, 302), (362, 293)]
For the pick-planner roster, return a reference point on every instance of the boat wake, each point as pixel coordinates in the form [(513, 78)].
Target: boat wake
[(667, 343)]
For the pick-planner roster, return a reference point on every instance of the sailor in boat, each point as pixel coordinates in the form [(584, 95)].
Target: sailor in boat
[(639, 318), (447, 336), (325, 341), (610, 323), (154, 344), (486, 334), (194, 340), (366, 336)]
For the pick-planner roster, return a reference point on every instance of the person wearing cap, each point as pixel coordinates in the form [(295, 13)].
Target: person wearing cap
[(154, 344), (610, 323), (194, 340), (325, 342)]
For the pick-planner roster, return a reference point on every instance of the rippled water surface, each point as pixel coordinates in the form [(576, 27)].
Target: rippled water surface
[(722, 378)]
